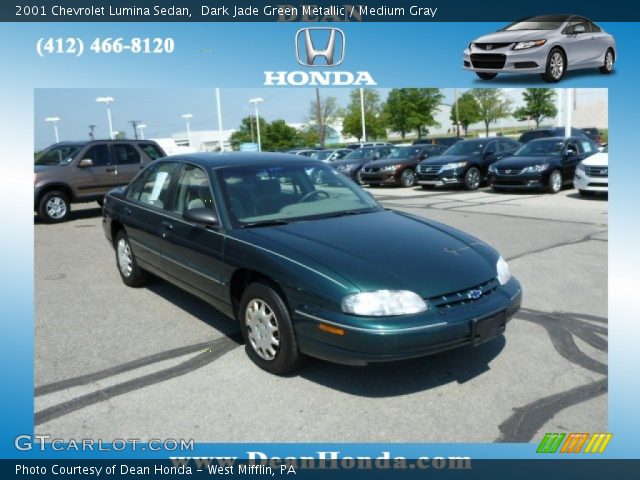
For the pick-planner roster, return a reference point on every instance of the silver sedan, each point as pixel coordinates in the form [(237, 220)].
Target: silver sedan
[(547, 44)]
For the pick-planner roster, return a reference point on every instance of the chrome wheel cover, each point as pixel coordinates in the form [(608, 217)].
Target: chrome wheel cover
[(556, 181), (263, 333), (125, 259), (608, 61), (56, 208), (557, 65), (408, 178), (473, 179)]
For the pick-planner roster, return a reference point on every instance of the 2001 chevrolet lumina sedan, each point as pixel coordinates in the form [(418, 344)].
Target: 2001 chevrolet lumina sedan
[(307, 270), (546, 44)]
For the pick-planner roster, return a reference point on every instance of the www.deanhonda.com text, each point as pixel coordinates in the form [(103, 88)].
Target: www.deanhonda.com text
[(321, 460)]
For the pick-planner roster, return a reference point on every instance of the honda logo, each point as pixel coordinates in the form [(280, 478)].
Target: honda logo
[(309, 50), (489, 46)]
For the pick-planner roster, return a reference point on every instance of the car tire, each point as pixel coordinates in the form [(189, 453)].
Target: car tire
[(555, 182), (130, 272), (408, 178), (556, 66), (54, 207), (486, 76), (265, 323), (359, 180), (607, 67), (586, 193), (472, 179)]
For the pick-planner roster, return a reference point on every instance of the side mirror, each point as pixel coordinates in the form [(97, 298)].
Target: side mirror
[(201, 216), (85, 162), (488, 153), (579, 29), (570, 152)]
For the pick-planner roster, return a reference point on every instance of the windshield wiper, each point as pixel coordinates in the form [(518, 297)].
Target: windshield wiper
[(266, 223), (349, 212)]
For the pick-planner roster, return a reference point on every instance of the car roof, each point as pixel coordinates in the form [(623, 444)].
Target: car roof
[(546, 139), (483, 139), (237, 159)]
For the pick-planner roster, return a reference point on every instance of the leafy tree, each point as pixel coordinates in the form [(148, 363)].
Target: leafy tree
[(468, 111), (539, 103), (374, 120), (493, 106), (244, 132), (322, 112), (408, 109), (278, 136)]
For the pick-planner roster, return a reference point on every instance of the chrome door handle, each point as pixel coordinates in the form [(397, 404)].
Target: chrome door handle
[(167, 225)]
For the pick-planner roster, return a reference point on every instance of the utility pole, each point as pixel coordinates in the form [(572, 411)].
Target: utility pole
[(134, 124), (455, 94), (219, 108), (364, 132), (319, 119), (92, 132)]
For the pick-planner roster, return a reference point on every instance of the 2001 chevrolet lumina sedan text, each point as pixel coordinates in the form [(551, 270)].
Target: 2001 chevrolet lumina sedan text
[(546, 44), (307, 270)]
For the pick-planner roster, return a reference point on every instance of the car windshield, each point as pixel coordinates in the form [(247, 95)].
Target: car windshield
[(361, 153), (404, 152), (323, 155), (543, 22), (278, 194), (541, 148), (57, 155), (469, 147)]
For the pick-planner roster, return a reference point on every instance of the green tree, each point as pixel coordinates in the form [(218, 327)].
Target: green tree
[(468, 111), (322, 111), (278, 136), (374, 120), (493, 105), (246, 132), (539, 103), (408, 109)]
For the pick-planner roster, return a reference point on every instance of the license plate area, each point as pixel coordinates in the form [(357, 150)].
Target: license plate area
[(484, 329)]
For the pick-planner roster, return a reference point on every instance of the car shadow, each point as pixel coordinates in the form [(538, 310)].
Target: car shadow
[(598, 197), (529, 78), (81, 214), (408, 376)]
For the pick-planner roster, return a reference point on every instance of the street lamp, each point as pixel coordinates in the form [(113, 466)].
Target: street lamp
[(107, 101), (141, 127), (255, 102), (55, 121), (187, 117)]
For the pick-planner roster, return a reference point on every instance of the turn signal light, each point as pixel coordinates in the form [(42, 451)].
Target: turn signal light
[(330, 329)]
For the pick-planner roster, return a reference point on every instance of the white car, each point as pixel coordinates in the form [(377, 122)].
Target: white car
[(592, 174)]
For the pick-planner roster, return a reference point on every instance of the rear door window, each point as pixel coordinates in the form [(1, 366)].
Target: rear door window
[(152, 187), (125, 154)]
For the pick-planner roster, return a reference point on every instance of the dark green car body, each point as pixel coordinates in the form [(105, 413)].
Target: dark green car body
[(315, 262)]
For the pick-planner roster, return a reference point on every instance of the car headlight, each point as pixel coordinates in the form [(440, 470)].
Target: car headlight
[(502, 268), (470, 45), (382, 303), (493, 169), (390, 168), (529, 44), (452, 166), (536, 168)]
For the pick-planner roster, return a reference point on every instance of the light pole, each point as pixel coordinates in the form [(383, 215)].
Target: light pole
[(364, 132), (107, 101), (187, 117), (141, 127), (255, 102), (55, 121)]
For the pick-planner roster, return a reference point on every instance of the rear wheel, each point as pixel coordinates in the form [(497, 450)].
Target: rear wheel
[(132, 275), (408, 178), (556, 66), (607, 67), (267, 329), (54, 207), (472, 179), (486, 76), (555, 181)]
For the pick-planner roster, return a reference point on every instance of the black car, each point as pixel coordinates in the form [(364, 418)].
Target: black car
[(352, 164), (543, 163), (446, 141), (465, 163), (594, 134), (549, 133), (399, 168)]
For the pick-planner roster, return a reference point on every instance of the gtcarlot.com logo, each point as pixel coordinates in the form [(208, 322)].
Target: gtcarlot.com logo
[(319, 47)]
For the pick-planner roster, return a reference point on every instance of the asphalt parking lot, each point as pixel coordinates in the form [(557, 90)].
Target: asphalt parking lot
[(114, 362)]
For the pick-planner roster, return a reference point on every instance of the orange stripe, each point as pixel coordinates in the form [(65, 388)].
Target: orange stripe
[(581, 442), (569, 443)]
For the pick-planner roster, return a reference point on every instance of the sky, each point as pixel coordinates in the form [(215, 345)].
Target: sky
[(162, 109)]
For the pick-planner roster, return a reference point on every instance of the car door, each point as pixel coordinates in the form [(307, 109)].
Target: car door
[(490, 154), (571, 160), (600, 42), (194, 252), (577, 45), (97, 178), (144, 212), (128, 161)]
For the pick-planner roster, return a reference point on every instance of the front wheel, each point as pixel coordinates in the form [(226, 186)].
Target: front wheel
[(359, 179), (472, 179), (607, 67), (555, 181), (486, 76), (130, 272), (556, 66), (408, 178), (54, 207), (267, 330)]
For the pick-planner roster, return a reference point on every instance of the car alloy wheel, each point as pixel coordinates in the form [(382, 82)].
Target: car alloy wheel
[(472, 179), (408, 178), (56, 208), (555, 181), (556, 66), (608, 62), (125, 261), (132, 275), (53, 207), (359, 177), (262, 329)]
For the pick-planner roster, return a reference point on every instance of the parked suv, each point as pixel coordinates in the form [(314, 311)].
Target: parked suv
[(76, 172)]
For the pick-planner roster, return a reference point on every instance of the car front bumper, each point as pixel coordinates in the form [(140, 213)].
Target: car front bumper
[(505, 60), (582, 181), (442, 178), (532, 181), (377, 340), (380, 178)]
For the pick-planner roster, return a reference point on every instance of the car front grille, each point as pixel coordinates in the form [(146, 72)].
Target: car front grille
[(491, 46), (371, 170), (425, 169), (488, 60), (467, 296), (597, 171), (509, 171)]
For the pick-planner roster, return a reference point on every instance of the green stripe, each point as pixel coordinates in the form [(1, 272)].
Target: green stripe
[(543, 443), (556, 445)]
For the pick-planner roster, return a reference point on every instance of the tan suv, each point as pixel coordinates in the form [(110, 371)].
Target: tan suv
[(75, 172)]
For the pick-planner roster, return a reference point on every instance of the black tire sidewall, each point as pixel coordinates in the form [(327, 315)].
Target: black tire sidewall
[(288, 356), (42, 206)]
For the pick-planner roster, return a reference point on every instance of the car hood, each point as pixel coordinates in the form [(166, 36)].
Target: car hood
[(444, 159), (392, 161), (600, 159), (521, 162), (514, 36), (387, 250)]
